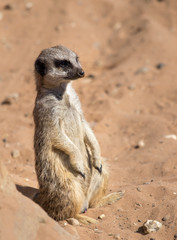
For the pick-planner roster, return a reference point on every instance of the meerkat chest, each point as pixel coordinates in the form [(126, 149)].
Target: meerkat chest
[(73, 120)]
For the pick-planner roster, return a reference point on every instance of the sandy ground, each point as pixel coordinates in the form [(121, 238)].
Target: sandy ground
[(129, 97)]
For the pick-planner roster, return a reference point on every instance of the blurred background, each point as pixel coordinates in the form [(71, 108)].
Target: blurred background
[(128, 50)]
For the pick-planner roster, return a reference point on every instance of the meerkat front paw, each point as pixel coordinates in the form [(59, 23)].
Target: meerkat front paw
[(99, 169), (77, 165), (97, 164)]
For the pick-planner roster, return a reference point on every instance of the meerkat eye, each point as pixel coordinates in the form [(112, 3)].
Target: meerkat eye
[(62, 63), (77, 59)]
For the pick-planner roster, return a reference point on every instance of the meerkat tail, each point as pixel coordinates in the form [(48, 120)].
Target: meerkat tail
[(85, 219)]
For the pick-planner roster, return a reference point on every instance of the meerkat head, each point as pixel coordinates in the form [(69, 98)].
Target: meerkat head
[(56, 65)]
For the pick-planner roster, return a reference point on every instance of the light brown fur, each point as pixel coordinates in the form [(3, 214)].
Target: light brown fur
[(69, 167)]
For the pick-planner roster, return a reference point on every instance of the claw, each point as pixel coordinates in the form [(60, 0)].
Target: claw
[(99, 169), (83, 175)]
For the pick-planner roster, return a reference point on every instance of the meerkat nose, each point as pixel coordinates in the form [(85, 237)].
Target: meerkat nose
[(81, 73)]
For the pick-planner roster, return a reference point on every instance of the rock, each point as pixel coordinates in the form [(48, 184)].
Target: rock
[(140, 144), (151, 226), (132, 86), (117, 236), (165, 218), (21, 218), (101, 216), (142, 70), (160, 66), (96, 230), (91, 76), (29, 5), (117, 26), (138, 189), (7, 101), (8, 6), (171, 136), (175, 236), (73, 221), (15, 153)]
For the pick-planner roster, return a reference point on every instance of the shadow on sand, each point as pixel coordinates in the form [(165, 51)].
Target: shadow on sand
[(29, 192)]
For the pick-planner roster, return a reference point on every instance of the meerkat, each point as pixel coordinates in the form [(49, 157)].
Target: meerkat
[(71, 173)]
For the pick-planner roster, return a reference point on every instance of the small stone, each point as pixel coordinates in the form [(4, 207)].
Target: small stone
[(152, 239), (138, 204), (151, 226), (14, 96), (142, 70), (140, 144), (117, 26), (171, 136), (73, 221), (7, 101), (117, 236), (101, 216), (110, 234), (8, 6), (132, 86), (175, 236), (139, 220), (29, 5), (96, 230), (65, 224), (165, 218), (153, 204), (91, 76), (160, 66), (15, 153), (138, 189)]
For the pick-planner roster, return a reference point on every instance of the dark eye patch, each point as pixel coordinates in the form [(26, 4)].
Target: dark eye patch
[(62, 63)]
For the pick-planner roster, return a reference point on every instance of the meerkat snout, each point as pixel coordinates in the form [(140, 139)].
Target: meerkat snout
[(81, 73)]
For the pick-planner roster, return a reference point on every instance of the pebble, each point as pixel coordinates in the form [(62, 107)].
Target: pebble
[(15, 153), (175, 236), (117, 26), (165, 218), (160, 66), (140, 144), (138, 189), (151, 226), (8, 100), (101, 216), (171, 136), (152, 239), (96, 230), (91, 76), (29, 5), (73, 221), (132, 86), (142, 70), (8, 6), (117, 236)]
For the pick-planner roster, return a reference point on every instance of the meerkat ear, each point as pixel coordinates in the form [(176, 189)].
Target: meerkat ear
[(40, 67)]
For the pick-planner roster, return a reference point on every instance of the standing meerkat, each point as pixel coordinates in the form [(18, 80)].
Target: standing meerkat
[(69, 167)]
